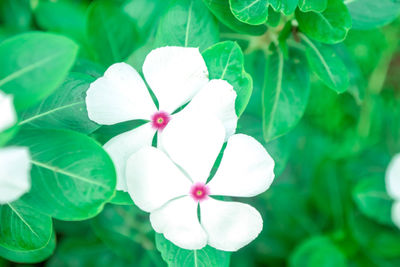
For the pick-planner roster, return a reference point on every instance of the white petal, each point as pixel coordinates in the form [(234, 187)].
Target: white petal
[(175, 74), (153, 179), (15, 168), (229, 225), (120, 95), (393, 178), (193, 143), (217, 98), (396, 213), (122, 146), (8, 116), (246, 169), (178, 221)]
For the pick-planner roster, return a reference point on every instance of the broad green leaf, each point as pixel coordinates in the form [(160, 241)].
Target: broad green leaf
[(64, 109), (39, 67), (313, 5), (317, 251), (72, 176), (373, 201), (25, 234), (330, 26), (16, 14), (187, 23), (285, 93), (369, 14), (225, 61), (121, 198), (84, 252), (326, 64), (64, 17), (253, 12), (287, 7), (127, 231), (111, 32), (221, 10), (177, 257)]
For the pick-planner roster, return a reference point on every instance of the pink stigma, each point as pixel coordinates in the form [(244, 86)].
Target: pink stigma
[(199, 192), (160, 120)]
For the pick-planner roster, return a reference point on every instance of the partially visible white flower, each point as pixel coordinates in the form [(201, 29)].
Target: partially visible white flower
[(171, 184), (393, 187), (8, 117), (176, 75), (15, 166)]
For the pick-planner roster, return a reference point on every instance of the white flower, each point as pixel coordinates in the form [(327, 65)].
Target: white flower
[(175, 75), (171, 183), (14, 161), (8, 117), (393, 187)]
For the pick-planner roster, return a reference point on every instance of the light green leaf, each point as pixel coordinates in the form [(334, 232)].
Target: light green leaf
[(39, 67), (72, 176), (25, 234), (225, 61), (221, 10), (287, 7), (373, 201), (64, 109), (313, 5), (187, 23), (317, 251), (326, 64), (330, 26), (253, 12), (177, 257), (285, 93), (111, 32), (370, 14)]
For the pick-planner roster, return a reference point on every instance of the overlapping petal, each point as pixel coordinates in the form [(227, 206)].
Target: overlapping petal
[(217, 98), (246, 169), (120, 95), (229, 225), (122, 146), (153, 179), (8, 116), (178, 221), (193, 143), (175, 75), (15, 167), (393, 178)]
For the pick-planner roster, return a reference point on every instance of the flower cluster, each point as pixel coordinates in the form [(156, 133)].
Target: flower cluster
[(15, 162), (195, 116)]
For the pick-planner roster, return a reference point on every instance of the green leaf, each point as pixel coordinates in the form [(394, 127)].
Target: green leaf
[(253, 12), (25, 234), (221, 10), (39, 67), (178, 257), (111, 32), (225, 61), (317, 251), (330, 26), (64, 109), (72, 176), (16, 14), (285, 93), (370, 14), (287, 7), (313, 5), (326, 64), (187, 23), (373, 201)]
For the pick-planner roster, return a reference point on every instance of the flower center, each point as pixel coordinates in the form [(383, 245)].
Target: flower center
[(159, 120), (199, 192)]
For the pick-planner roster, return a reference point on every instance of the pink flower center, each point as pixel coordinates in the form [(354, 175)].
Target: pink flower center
[(199, 192), (159, 120)]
